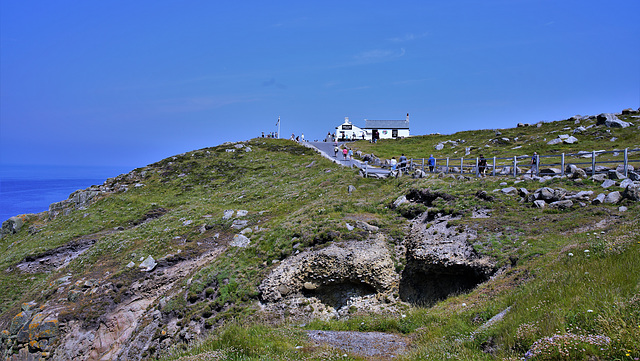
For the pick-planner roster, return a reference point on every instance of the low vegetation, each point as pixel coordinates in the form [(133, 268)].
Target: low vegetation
[(570, 279)]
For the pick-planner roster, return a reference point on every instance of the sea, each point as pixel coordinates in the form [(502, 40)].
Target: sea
[(31, 189)]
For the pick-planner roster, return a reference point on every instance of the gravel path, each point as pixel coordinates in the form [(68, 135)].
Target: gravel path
[(374, 345)]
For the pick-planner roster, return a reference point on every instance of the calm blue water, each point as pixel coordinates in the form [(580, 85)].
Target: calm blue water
[(30, 189)]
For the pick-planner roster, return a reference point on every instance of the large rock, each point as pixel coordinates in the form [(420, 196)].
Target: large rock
[(571, 140), (554, 141), (611, 121), (441, 260), (575, 172), (632, 192), (613, 198), (561, 204), (333, 271), (12, 225), (608, 183)]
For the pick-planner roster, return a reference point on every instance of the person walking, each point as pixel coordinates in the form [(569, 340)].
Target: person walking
[(335, 151), (432, 163), (350, 154), (344, 153)]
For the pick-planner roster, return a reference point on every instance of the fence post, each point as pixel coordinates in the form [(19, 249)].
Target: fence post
[(477, 169), (423, 164), (562, 165), (366, 169), (494, 167), (626, 162), (447, 165), (593, 163), (461, 165), (435, 165), (515, 164)]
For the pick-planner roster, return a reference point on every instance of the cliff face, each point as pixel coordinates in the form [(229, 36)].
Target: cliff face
[(267, 230)]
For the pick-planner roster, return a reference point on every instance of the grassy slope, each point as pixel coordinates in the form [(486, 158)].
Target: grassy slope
[(549, 291)]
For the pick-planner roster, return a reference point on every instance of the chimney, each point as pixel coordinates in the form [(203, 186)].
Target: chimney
[(407, 117), (346, 120)]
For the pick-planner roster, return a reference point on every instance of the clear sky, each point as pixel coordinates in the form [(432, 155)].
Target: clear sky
[(131, 82)]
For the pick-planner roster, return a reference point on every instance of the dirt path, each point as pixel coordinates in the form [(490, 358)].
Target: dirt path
[(371, 345)]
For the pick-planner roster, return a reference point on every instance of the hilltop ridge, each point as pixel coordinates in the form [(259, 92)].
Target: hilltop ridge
[(238, 250)]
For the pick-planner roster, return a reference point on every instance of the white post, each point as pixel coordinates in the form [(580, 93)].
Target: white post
[(447, 165), (562, 165), (626, 162), (461, 164), (423, 164), (494, 167), (593, 163), (515, 165), (477, 169)]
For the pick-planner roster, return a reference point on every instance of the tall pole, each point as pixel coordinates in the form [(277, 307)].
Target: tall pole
[(278, 127)]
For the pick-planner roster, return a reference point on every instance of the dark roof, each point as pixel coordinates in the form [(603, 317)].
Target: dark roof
[(386, 124)]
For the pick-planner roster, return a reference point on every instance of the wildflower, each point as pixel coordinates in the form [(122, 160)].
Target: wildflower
[(589, 311), (570, 254), (586, 251)]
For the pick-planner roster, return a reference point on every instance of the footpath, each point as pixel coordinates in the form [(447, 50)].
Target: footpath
[(326, 150)]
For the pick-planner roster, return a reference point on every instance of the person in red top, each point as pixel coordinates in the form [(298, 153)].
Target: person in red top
[(344, 152)]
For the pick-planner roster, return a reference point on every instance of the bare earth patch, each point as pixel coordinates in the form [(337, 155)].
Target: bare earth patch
[(372, 345)]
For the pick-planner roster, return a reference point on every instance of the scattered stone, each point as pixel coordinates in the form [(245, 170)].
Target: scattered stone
[(349, 227), (228, 213), (148, 264), (561, 204), (367, 227), (622, 209), (615, 175), (241, 213), (239, 224), (351, 189), (613, 198), (554, 141), (608, 183), (540, 204), (599, 199), (240, 241), (509, 190), (399, 201)]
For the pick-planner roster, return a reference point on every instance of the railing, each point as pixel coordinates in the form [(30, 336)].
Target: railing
[(509, 165)]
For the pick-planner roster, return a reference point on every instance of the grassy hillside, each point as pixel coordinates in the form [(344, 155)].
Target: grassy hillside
[(570, 278)]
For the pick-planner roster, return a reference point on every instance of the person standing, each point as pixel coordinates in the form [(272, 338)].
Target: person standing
[(302, 137), (335, 151), (350, 154), (393, 163), (432, 163), (482, 166), (403, 162)]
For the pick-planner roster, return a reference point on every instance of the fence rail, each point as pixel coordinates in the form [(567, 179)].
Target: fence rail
[(510, 165)]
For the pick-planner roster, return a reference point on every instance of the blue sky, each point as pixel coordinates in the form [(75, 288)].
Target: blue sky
[(127, 83)]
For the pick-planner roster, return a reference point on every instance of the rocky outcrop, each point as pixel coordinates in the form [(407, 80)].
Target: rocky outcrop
[(440, 260), (338, 276), (611, 121)]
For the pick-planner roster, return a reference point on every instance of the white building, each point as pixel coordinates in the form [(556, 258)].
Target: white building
[(388, 129), (349, 131)]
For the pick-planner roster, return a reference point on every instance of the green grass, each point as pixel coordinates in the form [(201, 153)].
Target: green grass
[(294, 207)]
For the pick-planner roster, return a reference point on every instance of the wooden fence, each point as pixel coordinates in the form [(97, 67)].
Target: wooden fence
[(510, 165)]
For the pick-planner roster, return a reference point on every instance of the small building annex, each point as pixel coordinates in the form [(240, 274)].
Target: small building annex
[(387, 129)]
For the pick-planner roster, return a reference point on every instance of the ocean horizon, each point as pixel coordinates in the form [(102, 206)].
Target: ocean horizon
[(31, 189)]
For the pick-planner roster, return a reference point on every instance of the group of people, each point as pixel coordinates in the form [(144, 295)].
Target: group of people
[(299, 138), (402, 161), (270, 135), (347, 153)]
